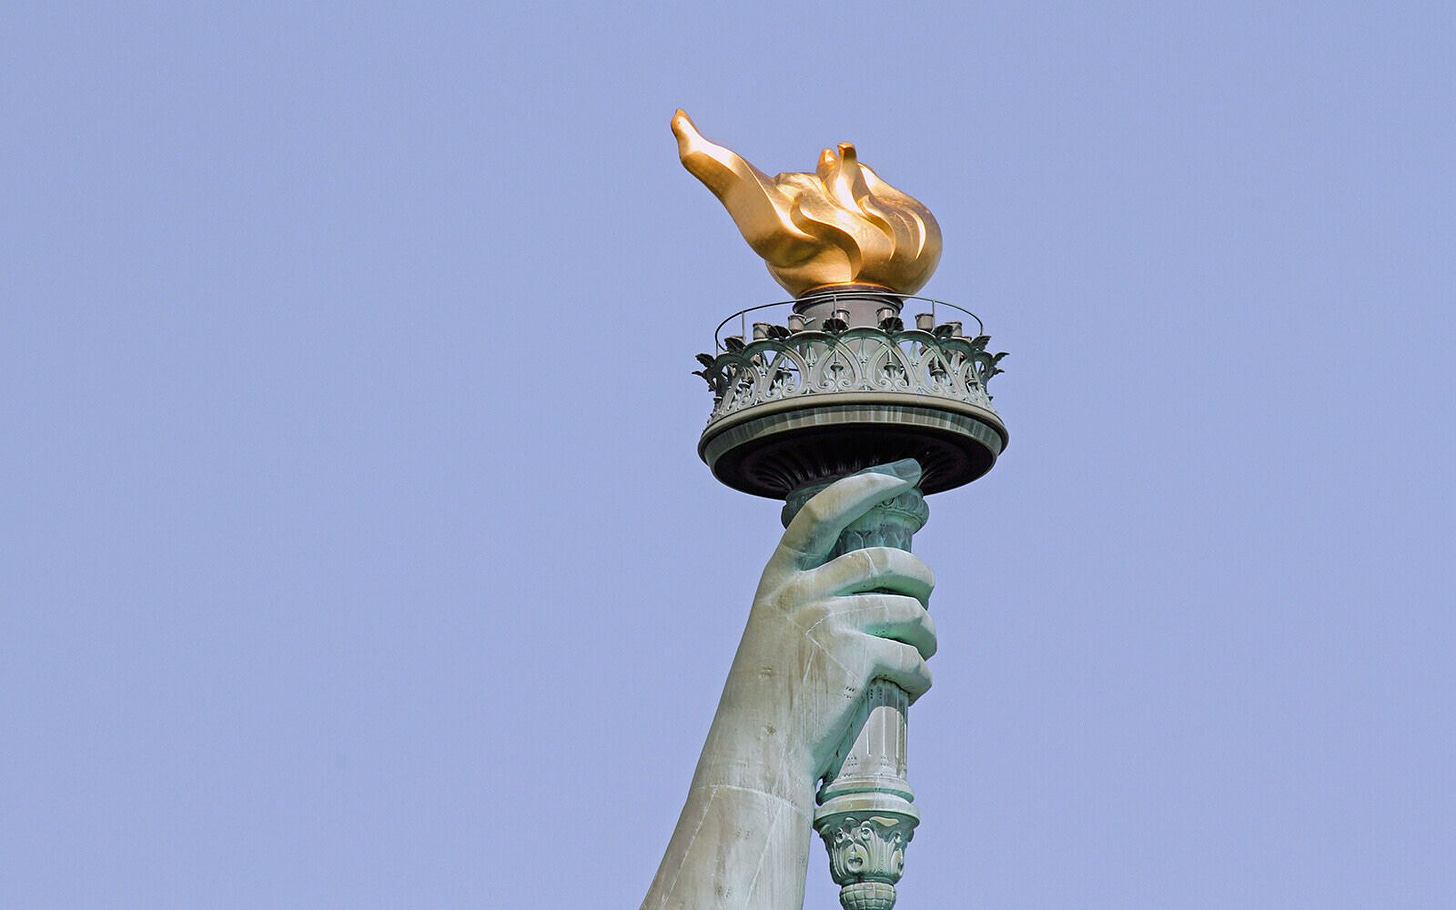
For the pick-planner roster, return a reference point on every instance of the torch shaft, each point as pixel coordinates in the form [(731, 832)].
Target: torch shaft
[(866, 814)]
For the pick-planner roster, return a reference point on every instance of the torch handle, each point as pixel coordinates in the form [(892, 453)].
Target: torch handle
[(866, 814)]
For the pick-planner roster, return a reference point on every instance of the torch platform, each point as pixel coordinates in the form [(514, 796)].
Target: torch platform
[(800, 405)]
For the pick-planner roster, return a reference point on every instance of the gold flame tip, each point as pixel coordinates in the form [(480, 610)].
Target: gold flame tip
[(839, 225)]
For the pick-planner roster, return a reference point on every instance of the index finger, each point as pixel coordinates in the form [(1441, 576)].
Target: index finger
[(812, 533)]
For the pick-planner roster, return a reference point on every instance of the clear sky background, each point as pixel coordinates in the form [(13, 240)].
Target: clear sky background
[(354, 550)]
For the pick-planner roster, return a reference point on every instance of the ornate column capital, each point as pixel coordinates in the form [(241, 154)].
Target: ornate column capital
[(866, 850)]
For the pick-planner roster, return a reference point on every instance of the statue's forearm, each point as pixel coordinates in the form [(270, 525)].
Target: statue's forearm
[(743, 837), (734, 847)]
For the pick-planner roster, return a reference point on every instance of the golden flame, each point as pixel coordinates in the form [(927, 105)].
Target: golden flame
[(841, 224)]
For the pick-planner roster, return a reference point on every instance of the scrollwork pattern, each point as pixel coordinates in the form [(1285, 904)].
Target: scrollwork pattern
[(860, 359), (867, 847)]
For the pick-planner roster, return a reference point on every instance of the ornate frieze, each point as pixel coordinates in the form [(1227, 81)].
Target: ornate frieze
[(887, 359), (867, 855)]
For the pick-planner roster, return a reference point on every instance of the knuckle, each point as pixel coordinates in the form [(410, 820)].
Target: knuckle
[(920, 568), (920, 680), (900, 609), (879, 556), (794, 592), (812, 615), (895, 608), (911, 605)]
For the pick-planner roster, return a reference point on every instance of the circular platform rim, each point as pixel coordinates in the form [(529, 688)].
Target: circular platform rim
[(858, 409), (814, 402)]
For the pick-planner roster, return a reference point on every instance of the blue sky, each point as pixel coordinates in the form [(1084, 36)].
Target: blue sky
[(355, 551)]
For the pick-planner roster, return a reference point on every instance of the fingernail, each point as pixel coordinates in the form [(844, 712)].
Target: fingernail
[(905, 469)]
